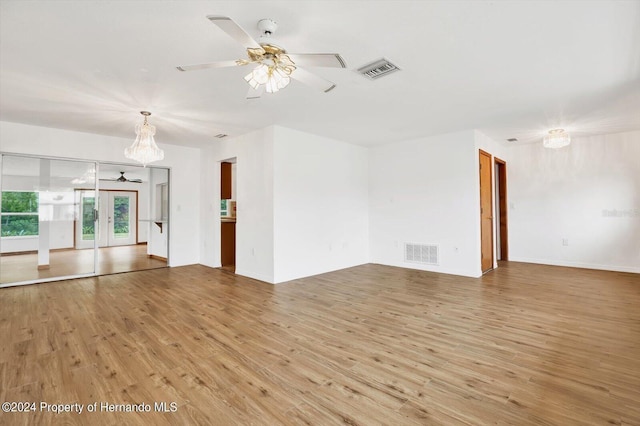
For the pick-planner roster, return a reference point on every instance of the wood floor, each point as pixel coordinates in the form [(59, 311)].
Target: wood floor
[(111, 260), (523, 345)]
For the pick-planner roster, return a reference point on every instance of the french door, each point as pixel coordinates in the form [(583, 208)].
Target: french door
[(117, 219)]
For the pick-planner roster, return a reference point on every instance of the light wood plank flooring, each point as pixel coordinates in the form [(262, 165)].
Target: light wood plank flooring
[(111, 260), (523, 345)]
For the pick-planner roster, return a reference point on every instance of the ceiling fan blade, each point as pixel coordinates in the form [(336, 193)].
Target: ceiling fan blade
[(109, 180), (333, 60), (255, 93), (221, 64), (310, 79), (234, 30), (134, 180)]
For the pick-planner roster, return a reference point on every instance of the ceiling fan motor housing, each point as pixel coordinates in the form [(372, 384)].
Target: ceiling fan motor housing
[(267, 27)]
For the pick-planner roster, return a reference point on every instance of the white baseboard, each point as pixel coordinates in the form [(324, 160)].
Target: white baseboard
[(553, 262), (255, 276), (436, 269)]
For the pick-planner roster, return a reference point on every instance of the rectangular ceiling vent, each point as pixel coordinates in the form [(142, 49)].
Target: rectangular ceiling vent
[(378, 69), (512, 140), (220, 136), (426, 254)]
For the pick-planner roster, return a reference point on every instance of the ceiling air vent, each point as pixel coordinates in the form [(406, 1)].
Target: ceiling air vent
[(512, 140), (426, 254), (378, 69), (220, 136)]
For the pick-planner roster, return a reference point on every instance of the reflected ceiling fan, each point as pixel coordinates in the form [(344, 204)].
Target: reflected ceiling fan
[(274, 66), (121, 178)]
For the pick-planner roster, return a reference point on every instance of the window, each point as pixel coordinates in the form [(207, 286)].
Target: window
[(19, 214)]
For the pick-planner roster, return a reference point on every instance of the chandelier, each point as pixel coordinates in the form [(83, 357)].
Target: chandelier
[(556, 138), (273, 70), (144, 149)]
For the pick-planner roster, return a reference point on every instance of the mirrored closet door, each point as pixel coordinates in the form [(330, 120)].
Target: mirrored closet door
[(40, 216)]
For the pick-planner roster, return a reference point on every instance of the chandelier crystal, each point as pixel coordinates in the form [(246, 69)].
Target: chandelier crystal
[(144, 149), (556, 138)]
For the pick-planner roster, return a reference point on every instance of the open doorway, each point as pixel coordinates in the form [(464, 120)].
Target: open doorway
[(228, 190), (501, 208)]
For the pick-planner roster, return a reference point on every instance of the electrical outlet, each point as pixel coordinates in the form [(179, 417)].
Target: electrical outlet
[(565, 241)]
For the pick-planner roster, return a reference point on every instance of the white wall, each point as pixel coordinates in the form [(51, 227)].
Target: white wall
[(184, 163), (254, 223), (320, 204), (425, 191), (587, 193), (301, 204)]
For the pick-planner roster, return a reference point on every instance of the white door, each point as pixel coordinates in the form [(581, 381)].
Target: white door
[(117, 219)]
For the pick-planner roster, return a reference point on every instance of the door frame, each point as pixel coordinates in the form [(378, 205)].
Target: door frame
[(502, 222), (482, 153)]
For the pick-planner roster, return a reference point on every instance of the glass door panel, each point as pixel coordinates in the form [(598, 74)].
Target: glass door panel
[(121, 218), (86, 224), (39, 219)]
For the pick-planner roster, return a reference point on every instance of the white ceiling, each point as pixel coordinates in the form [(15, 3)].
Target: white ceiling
[(510, 68)]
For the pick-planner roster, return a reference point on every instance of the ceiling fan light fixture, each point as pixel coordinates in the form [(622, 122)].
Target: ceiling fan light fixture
[(278, 79), (260, 75), (273, 70), (144, 149), (557, 138)]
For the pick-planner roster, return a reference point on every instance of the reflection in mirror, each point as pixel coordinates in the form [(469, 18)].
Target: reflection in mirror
[(39, 212), (159, 227), (126, 211), (67, 218)]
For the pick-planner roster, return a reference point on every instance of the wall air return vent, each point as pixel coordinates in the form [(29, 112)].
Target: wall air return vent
[(378, 69), (426, 254)]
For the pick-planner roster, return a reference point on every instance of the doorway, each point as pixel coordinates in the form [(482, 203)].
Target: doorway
[(228, 214), (486, 211), (501, 208)]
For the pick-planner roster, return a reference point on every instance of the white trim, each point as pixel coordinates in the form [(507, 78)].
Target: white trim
[(48, 280), (430, 268), (19, 237), (259, 277), (569, 264)]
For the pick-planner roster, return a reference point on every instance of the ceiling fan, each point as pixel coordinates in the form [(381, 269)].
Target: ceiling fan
[(275, 67), (121, 178)]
